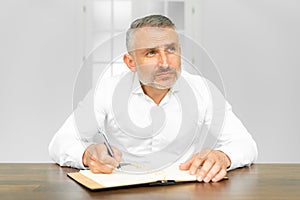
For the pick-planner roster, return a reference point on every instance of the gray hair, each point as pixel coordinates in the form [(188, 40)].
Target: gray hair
[(158, 21)]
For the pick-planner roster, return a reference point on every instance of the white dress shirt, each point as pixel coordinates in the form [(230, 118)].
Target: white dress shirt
[(97, 110)]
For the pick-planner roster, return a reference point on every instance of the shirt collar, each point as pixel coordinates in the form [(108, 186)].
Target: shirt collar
[(136, 85), (177, 85)]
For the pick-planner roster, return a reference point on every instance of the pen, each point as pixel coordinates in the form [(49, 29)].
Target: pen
[(106, 142), (109, 149)]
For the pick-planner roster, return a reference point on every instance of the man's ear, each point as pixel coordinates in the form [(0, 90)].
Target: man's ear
[(129, 61)]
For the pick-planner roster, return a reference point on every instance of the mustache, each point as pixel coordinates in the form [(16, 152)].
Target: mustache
[(165, 70)]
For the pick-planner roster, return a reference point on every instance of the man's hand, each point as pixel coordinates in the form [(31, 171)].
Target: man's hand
[(98, 160), (214, 164)]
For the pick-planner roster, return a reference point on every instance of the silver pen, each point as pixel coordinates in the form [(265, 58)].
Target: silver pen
[(106, 142), (109, 149)]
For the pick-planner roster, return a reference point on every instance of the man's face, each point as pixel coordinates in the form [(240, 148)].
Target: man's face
[(156, 56)]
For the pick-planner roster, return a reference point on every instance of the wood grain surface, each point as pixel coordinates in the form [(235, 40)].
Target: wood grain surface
[(49, 181)]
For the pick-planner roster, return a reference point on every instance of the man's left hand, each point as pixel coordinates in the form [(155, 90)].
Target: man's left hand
[(214, 165)]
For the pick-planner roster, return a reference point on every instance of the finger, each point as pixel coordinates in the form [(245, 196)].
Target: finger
[(98, 167), (101, 155), (222, 173), (195, 165), (207, 165), (103, 162), (187, 164), (212, 172), (117, 154), (106, 159), (98, 160)]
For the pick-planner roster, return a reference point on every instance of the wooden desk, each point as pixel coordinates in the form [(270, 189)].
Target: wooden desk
[(49, 181)]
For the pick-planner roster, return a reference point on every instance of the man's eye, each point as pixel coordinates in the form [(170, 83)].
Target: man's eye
[(171, 49), (150, 53)]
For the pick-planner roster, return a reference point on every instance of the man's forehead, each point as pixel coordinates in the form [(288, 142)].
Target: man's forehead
[(153, 37)]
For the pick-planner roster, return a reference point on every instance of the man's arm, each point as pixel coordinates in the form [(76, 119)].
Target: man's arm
[(235, 148), (69, 148), (66, 147), (236, 142), (77, 143)]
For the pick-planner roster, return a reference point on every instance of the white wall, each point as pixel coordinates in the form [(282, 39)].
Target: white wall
[(255, 44), (41, 51)]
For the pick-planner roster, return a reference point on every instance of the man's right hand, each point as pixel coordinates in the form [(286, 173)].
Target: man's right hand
[(98, 160)]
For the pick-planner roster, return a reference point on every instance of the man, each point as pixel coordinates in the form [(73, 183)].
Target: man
[(155, 80)]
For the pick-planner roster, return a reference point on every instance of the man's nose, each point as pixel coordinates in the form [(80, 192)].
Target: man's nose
[(163, 60)]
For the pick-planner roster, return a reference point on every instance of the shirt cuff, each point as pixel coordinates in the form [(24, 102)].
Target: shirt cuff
[(238, 157), (75, 155)]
